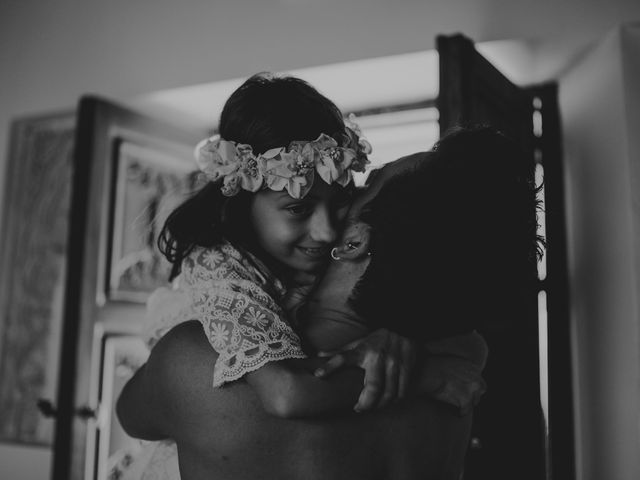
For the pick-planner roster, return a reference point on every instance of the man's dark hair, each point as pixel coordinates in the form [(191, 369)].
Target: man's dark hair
[(454, 244)]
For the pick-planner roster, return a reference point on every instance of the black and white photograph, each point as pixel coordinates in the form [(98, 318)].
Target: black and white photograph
[(320, 240)]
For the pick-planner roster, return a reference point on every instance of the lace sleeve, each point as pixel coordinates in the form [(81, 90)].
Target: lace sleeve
[(242, 322)]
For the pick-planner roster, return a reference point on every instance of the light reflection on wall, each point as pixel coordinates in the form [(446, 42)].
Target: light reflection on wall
[(396, 134)]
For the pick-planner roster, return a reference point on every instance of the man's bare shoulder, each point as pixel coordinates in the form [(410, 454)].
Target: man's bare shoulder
[(218, 429), (176, 374), (184, 340), (181, 358)]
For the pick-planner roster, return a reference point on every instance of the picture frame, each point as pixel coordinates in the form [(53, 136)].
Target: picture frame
[(149, 184)]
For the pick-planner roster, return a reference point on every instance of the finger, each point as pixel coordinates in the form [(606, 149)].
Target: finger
[(462, 392), (346, 348), (403, 381), (334, 363), (390, 382), (472, 399), (393, 362), (481, 388), (408, 359), (353, 344), (374, 372), (328, 353)]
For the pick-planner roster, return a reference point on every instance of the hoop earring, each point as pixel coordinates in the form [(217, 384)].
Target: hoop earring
[(334, 253)]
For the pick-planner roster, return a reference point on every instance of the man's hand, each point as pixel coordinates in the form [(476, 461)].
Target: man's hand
[(387, 360), (452, 370), (453, 380)]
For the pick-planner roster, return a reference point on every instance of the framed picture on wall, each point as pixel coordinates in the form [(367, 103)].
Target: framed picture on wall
[(33, 270), (149, 184)]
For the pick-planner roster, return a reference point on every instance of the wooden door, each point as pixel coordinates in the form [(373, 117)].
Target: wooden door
[(128, 171), (511, 437)]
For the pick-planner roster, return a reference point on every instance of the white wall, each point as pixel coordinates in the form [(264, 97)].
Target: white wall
[(601, 108), (21, 462)]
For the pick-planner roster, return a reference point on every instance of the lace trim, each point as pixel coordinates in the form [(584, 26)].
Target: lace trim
[(244, 364), (242, 321)]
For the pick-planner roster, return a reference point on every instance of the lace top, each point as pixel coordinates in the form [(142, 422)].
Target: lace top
[(233, 295)]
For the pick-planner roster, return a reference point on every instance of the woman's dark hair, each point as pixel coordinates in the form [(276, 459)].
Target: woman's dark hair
[(266, 111), (457, 236)]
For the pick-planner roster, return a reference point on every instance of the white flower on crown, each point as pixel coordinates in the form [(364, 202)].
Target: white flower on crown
[(235, 162), (292, 168)]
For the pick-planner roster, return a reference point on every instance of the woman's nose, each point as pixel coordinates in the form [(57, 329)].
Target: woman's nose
[(323, 227)]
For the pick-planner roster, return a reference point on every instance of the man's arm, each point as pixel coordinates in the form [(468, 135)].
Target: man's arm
[(138, 408), (449, 369), (289, 388), (147, 401), (153, 403)]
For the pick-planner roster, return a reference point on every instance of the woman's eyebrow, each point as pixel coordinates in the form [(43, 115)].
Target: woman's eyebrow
[(284, 195)]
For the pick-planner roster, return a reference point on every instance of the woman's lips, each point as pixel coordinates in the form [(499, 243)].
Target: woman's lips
[(315, 252)]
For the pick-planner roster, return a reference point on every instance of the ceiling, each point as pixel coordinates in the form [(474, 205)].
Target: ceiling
[(383, 43)]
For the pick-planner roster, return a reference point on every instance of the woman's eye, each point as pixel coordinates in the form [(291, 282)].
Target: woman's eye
[(298, 209)]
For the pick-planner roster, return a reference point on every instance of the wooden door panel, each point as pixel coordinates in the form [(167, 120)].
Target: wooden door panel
[(473, 91), (111, 143)]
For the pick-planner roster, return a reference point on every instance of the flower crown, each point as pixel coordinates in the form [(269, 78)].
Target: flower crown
[(292, 168)]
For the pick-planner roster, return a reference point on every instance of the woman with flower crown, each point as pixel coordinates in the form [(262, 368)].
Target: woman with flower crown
[(243, 248), (262, 229), (280, 182)]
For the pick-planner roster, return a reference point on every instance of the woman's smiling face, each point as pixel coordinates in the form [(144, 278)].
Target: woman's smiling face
[(299, 233)]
